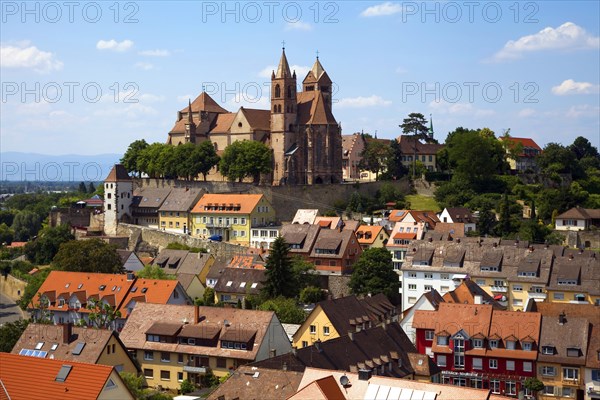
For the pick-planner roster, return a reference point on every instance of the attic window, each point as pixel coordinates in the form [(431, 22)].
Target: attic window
[(67, 285), (548, 350), (239, 124), (229, 283), (63, 373), (80, 286), (573, 352), (144, 290), (133, 289), (243, 284), (114, 288), (254, 285), (39, 345), (54, 347), (79, 348), (102, 287)]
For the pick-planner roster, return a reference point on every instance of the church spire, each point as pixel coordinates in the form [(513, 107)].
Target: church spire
[(190, 111), (283, 70), (317, 69), (430, 133)]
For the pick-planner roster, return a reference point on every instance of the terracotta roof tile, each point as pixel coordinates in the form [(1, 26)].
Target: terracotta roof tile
[(246, 203), (204, 103), (154, 291), (259, 120), (117, 173), (367, 234)]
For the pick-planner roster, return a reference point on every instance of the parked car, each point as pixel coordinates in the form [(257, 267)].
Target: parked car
[(216, 238)]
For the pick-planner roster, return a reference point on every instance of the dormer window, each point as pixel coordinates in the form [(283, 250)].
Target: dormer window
[(478, 343), (527, 346), (548, 350), (442, 340), (573, 352), (493, 344), (510, 344)]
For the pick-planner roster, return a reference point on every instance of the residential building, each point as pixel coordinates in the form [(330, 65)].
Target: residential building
[(67, 294), (334, 318), (263, 238), (118, 191), (299, 127), (232, 216), (190, 269), (468, 292), (413, 149), (257, 383), (145, 205), (33, 377), (577, 219), (372, 236), (528, 151), (301, 238), (368, 175), (477, 346), (384, 351), (575, 279), (329, 222), (174, 213), (352, 147), (428, 301), (330, 384), (305, 216), (459, 215), (335, 251), (131, 262), (403, 233), (173, 343), (235, 284), (253, 261), (68, 343)]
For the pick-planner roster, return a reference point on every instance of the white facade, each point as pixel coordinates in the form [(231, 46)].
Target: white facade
[(414, 283), (445, 217), (263, 237), (117, 203), (422, 304), (569, 224), (592, 382), (402, 234)]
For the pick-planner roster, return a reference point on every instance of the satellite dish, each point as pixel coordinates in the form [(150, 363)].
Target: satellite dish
[(344, 381)]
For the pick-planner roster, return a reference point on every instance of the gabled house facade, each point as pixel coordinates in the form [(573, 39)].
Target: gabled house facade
[(578, 219), (372, 236), (457, 215), (174, 213), (335, 250)]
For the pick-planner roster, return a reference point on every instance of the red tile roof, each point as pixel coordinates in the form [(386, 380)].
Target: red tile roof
[(526, 142), (27, 378), (157, 291), (117, 173), (246, 202)]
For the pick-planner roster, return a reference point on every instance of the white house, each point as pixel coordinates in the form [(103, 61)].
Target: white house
[(455, 215), (578, 219), (428, 301)]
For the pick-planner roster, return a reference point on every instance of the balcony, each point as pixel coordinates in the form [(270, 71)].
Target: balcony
[(217, 224), (499, 289), (536, 295), (570, 382), (194, 370)]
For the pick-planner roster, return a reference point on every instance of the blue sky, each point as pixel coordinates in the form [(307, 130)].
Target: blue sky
[(532, 67)]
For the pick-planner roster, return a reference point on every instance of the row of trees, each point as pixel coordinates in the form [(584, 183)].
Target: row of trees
[(240, 160)]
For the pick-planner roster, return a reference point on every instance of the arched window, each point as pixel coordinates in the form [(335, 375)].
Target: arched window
[(289, 92), (277, 91), (279, 108), (275, 108)]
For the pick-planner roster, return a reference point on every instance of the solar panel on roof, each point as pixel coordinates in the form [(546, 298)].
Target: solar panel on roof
[(78, 348), (22, 352)]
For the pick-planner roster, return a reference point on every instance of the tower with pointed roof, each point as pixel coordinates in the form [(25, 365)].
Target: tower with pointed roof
[(284, 107), (317, 79), (118, 195)]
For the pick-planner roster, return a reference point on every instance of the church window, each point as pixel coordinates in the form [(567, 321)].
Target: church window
[(239, 124), (279, 108), (277, 91), (275, 108), (289, 92)]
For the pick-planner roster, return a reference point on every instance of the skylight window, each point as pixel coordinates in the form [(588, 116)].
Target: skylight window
[(79, 348), (80, 286), (144, 290), (54, 346), (63, 373), (254, 285), (39, 345), (102, 287), (229, 283), (67, 285), (243, 284)]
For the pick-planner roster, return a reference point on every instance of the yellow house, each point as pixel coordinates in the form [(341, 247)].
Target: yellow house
[(231, 216), (574, 279), (69, 343), (331, 319), (173, 342), (174, 213), (371, 236)]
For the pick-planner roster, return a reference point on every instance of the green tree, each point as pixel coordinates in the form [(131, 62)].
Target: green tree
[(582, 148), (34, 284), (6, 234), (533, 384), (304, 273), (375, 157), (279, 274), (416, 125), (10, 332), (394, 168), (168, 162), (286, 309), (204, 158), (132, 156), (245, 159), (43, 249), (82, 188), (148, 160), (134, 383), (186, 387), (557, 158), (374, 273), (311, 294), (26, 225), (209, 297), (91, 188), (154, 272), (102, 314), (91, 255), (7, 217), (487, 222)]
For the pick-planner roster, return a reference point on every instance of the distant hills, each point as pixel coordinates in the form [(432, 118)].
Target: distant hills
[(17, 166)]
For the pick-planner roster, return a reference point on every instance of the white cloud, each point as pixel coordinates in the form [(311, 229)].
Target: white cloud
[(144, 66), (387, 8), (584, 110), (571, 87), (526, 112), (151, 98), (467, 109), (23, 55), (155, 53), (301, 71), (113, 45), (360, 102), (185, 98), (567, 36), (298, 26), (129, 110)]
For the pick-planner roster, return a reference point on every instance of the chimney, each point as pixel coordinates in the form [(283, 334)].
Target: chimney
[(477, 299), (351, 334), (196, 314), (562, 318), (67, 332), (318, 345)]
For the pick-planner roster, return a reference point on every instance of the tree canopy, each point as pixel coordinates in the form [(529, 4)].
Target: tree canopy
[(245, 159), (131, 157), (91, 255), (374, 273), (415, 124), (280, 279), (44, 248), (375, 156)]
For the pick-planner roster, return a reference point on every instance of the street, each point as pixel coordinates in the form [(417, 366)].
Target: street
[(9, 310)]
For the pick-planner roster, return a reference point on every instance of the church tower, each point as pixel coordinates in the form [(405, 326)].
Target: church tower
[(190, 126), (317, 79), (284, 108)]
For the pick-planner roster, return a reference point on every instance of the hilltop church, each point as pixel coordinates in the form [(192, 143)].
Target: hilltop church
[(300, 129)]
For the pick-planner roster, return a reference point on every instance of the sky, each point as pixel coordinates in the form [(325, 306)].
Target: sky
[(91, 77)]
